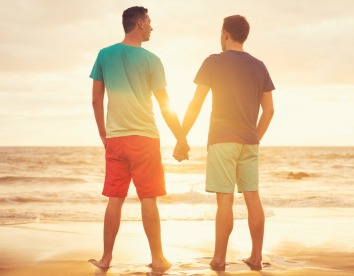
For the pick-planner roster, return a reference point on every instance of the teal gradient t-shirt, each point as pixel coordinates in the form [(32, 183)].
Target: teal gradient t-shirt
[(130, 74)]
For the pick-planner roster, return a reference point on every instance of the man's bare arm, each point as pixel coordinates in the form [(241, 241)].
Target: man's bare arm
[(194, 108), (173, 123), (169, 114), (267, 114), (98, 89)]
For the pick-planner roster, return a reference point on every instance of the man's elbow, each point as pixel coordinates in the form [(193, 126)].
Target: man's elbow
[(97, 102), (94, 102), (269, 113)]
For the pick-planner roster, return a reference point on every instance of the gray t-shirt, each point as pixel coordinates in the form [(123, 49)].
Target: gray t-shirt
[(237, 81)]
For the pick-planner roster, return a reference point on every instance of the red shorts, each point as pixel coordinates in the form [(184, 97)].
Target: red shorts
[(136, 158)]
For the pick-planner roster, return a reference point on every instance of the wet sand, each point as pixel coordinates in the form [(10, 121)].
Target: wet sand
[(298, 241)]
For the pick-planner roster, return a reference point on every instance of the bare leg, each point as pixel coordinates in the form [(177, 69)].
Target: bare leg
[(256, 226), (151, 222), (223, 227), (111, 227)]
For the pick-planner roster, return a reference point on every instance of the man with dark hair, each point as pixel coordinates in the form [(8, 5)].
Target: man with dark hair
[(131, 16), (240, 85), (238, 28), (130, 75)]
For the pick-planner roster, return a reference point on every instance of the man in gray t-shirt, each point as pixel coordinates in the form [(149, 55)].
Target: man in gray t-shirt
[(240, 85), (238, 81)]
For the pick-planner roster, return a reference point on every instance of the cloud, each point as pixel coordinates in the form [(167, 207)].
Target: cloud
[(297, 40), (48, 48), (46, 36), (318, 53)]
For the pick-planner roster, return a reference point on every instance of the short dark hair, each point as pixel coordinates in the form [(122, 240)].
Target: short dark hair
[(131, 16), (237, 26)]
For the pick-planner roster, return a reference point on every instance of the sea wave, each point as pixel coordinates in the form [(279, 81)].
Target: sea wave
[(185, 168), (191, 198), (294, 175), (167, 212), (47, 198), (309, 202), (84, 197), (6, 180), (345, 155)]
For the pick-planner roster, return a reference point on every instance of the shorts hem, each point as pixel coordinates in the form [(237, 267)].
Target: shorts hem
[(252, 189), (108, 194), (149, 196), (217, 190)]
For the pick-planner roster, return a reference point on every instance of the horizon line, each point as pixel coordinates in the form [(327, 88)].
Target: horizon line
[(162, 146)]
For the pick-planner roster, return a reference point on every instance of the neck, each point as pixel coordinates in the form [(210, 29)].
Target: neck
[(131, 39), (235, 46)]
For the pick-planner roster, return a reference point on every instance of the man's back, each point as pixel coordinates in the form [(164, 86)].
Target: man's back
[(240, 85), (130, 75), (237, 80)]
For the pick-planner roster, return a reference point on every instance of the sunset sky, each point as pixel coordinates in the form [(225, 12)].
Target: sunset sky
[(48, 47)]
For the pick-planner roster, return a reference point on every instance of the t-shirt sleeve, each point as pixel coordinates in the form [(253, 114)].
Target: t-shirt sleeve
[(96, 72), (268, 83), (157, 77), (203, 76)]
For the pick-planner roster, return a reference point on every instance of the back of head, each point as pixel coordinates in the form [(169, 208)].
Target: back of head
[(237, 26), (131, 17)]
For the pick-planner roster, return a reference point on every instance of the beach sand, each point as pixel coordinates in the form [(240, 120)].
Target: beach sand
[(298, 241)]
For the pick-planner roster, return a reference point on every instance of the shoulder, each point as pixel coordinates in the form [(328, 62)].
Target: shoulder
[(151, 60), (110, 48), (211, 59), (260, 66), (150, 55), (218, 57), (106, 51), (255, 60)]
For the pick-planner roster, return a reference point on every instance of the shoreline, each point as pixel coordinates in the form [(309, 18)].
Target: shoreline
[(298, 241)]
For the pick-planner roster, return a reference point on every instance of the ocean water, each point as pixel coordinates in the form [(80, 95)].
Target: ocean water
[(65, 183)]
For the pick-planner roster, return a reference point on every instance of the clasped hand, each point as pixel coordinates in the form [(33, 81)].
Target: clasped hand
[(181, 150)]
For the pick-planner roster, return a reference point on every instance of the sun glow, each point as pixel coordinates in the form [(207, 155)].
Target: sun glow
[(60, 82)]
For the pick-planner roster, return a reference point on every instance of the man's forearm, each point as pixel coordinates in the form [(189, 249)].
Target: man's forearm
[(263, 124), (194, 108), (99, 116), (98, 89), (173, 123), (190, 118)]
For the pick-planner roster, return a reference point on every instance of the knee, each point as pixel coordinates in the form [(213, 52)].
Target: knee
[(225, 200)]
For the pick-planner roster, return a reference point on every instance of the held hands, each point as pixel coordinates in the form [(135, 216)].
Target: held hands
[(181, 150)]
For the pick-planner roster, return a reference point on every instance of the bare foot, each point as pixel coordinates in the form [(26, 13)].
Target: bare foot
[(160, 266), (252, 264), (216, 266), (100, 264)]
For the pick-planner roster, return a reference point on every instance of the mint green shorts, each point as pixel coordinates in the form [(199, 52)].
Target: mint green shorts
[(229, 164)]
